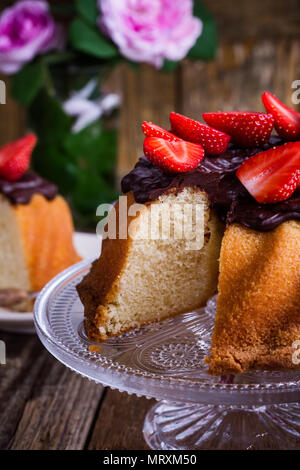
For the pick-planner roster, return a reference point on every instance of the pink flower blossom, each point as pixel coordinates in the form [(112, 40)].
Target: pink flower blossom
[(26, 29), (150, 30)]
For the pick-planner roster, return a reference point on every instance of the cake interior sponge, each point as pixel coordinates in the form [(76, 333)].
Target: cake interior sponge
[(160, 270)]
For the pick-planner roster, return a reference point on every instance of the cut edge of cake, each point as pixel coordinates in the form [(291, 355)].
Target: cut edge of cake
[(137, 281)]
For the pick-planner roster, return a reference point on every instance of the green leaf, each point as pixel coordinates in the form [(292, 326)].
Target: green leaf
[(27, 83), (94, 147), (57, 57), (88, 10), (90, 191), (89, 40), (64, 10), (84, 144), (169, 66), (55, 165), (135, 66), (206, 45), (82, 164), (52, 125), (106, 161), (48, 119)]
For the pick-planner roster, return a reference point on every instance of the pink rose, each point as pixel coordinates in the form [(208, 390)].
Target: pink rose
[(150, 30), (26, 29)]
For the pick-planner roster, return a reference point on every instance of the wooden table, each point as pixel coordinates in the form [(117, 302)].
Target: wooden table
[(44, 405)]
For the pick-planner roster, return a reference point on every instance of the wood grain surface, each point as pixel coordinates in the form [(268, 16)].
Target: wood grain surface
[(43, 405), (124, 415)]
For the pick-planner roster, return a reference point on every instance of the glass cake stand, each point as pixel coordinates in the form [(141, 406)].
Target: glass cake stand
[(166, 361)]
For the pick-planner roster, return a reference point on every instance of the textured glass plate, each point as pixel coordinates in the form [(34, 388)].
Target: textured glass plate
[(164, 360)]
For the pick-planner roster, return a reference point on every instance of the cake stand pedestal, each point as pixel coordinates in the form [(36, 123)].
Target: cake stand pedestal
[(259, 410), (170, 426)]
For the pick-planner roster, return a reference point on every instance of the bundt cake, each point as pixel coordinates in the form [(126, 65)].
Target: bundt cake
[(258, 312), (36, 227), (250, 205)]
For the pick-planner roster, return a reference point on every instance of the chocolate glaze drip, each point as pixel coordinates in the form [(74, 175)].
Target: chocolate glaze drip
[(216, 176), (22, 190), (264, 217)]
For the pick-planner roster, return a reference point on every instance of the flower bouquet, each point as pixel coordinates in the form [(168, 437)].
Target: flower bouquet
[(60, 55)]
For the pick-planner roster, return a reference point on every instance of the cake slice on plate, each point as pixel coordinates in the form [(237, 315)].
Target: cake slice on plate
[(147, 277), (36, 224)]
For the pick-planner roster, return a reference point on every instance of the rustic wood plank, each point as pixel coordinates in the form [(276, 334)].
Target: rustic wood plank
[(255, 18), (16, 383), (147, 95), (128, 141), (120, 422), (12, 117), (43, 405)]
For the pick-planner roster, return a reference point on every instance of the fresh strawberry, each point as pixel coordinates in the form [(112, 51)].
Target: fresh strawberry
[(173, 157), (214, 142), (287, 120), (247, 128), (15, 157), (273, 175), (152, 130)]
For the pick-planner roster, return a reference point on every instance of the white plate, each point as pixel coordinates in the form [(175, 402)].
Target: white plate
[(88, 246)]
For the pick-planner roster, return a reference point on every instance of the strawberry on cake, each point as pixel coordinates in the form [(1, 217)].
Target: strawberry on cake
[(246, 182), (36, 224)]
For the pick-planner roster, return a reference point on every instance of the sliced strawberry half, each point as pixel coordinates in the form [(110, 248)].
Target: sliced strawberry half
[(273, 175), (173, 157), (213, 141), (152, 130), (287, 120), (15, 157), (247, 128)]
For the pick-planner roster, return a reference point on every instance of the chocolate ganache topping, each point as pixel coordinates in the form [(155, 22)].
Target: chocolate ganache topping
[(216, 176), (22, 190)]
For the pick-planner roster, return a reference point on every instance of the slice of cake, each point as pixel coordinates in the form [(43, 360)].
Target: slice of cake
[(36, 227), (148, 277)]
